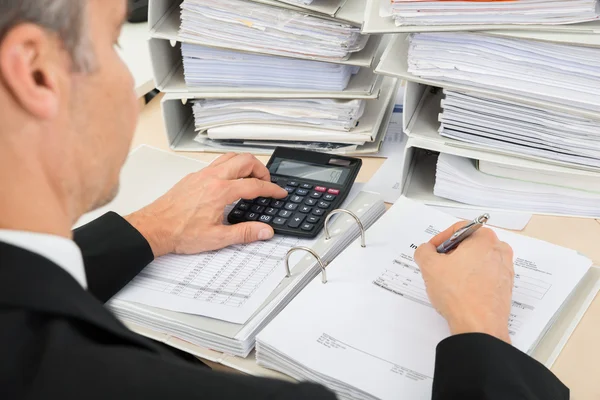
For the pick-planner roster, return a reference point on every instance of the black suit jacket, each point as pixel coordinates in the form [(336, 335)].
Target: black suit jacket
[(58, 341)]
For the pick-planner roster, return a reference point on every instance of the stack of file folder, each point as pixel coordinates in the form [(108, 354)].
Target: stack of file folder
[(500, 99), (411, 12), (277, 61)]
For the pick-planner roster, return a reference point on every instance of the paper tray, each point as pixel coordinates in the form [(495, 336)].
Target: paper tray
[(394, 62), (167, 27), (168, 75), (179, 119), (374, 23)]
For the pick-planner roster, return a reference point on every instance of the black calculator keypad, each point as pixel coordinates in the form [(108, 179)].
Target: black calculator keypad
[(302, 210)]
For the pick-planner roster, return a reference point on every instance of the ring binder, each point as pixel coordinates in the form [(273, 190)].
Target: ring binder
[(358, 221), (311, 251)]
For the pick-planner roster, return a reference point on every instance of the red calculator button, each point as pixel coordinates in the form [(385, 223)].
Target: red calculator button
[(321, 189), (333, 191)]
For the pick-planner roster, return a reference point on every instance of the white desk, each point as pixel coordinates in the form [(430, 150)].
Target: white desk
[(136, 54)]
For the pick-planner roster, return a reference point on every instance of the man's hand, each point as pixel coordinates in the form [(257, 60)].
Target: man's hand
[(189, 218), (471, 287)]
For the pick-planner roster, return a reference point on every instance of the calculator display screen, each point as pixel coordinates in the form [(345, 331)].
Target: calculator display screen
[(323, 173)]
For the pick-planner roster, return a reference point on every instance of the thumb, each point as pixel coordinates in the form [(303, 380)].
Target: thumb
[(425, 254), (247, 232)]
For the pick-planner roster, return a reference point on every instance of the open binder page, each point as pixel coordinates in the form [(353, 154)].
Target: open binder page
[(228, 284), (371, 332)]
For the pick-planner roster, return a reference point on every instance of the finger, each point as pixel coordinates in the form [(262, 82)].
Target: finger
[(252, 188), (425, 254), (223, 159), (246, 232), (445, 235), (243, 166)]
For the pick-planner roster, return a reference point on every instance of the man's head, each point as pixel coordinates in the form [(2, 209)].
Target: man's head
[(67, 105)]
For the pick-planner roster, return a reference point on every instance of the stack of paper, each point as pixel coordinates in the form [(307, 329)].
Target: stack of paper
[(371, 331), (254, 27), (459, 179), (339, 115), (205, 66), (562, 74), (516, 128), (478, 12)]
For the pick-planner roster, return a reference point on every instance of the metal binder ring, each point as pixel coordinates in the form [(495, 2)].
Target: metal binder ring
[(311, 251), (360, 225)]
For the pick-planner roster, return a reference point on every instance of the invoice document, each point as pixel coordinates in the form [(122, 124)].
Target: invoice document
[(372, 331)]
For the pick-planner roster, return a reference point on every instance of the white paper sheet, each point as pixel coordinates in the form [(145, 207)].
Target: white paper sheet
[(371, 328)]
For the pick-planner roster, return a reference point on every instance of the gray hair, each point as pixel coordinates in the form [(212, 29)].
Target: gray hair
[(66, 18)]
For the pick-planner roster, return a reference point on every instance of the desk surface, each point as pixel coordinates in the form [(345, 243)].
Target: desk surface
[(579, 364)]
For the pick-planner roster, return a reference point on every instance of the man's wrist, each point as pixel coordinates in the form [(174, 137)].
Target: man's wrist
[(149, 227), (476, 326)]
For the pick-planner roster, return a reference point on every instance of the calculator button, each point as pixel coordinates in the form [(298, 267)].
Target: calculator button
[(308, 227), (274, 179), (252, 216), (271, 211), (243, 206), (301, 192), (329, 197), (296, 220), (265, 218), (305, 209), (279, 221), (277, 203), (306, 186), (311, 202), (293, 183), (257, 209), (290, 189), (237, 213), (285, 213), (313, 220), (316, 195), (321, 189), (261, 201), (319, 211), (324, 204), (333, 191), (286, 198), (296, 199), (291, 206)]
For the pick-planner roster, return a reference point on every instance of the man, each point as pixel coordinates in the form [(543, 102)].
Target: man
[(68, 113)]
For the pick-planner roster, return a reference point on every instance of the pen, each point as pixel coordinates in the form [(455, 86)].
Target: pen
[(462, 234)]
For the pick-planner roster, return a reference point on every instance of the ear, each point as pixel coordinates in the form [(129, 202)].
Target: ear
[(30, 64)]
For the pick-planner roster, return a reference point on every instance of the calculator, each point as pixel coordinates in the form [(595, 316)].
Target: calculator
[(316, 183)]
